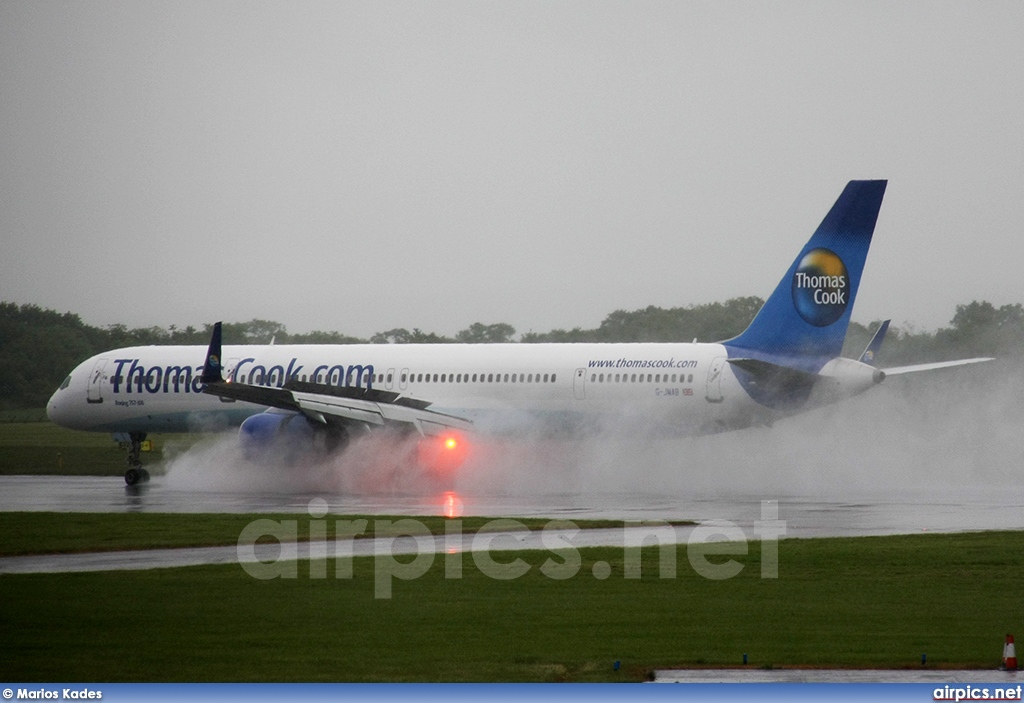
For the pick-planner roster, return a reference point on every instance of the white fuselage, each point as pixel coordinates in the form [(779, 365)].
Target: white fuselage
[(786, 361), (676, 389)]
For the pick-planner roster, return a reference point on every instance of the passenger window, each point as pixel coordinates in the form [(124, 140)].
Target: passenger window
[(490, 378), (402, 380), (545, 378), (633, 379), (691, 378), (673, 378), (553, 378)]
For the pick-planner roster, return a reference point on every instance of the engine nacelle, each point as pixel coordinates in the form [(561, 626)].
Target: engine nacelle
[(277, 435)]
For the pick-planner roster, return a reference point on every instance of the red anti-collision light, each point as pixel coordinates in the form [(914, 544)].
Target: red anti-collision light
[(444, 453)]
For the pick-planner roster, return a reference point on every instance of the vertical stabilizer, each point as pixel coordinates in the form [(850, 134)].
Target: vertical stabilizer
[(803, 323)]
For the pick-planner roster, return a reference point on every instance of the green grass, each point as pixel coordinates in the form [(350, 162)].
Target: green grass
[(43, 448), (55, 533), (867, 602), (23, 415)]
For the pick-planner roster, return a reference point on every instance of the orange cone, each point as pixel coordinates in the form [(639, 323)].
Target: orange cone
[(1009, 655)]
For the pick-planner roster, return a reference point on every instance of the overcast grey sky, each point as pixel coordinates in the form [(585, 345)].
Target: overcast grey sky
[(364, 166)]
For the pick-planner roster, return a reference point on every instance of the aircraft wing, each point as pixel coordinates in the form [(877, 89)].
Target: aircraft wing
[(326, 403), (900, 370), (373, 407)]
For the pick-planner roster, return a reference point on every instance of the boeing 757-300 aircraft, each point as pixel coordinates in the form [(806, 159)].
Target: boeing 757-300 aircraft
[(787, 361)]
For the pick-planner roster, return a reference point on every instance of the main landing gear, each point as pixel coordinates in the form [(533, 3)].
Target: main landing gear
[(135, 473)]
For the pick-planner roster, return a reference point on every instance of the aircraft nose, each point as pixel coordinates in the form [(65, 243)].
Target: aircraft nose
[(58, 409), (53, 409)]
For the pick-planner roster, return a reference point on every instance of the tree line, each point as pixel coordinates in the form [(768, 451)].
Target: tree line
[(39, 347)]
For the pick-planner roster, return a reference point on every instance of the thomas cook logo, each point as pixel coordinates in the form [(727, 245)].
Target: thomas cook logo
[(821, 287)]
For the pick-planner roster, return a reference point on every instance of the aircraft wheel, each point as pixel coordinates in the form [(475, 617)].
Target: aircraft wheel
[(133, 476), (329, 440), (339, 439)]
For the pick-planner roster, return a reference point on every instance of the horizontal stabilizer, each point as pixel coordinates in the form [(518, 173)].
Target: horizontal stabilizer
[(900, 370)]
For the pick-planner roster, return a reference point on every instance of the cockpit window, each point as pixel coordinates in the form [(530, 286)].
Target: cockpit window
[(65, 384)]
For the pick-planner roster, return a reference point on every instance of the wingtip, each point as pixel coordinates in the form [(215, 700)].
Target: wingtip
[(212, 364)]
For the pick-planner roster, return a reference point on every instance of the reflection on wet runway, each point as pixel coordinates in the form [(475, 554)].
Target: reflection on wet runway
[(989, 508), (256, 554)]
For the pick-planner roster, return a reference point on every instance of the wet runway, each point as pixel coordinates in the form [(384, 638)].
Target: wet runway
[(132, 560), (800, 516), (986, 508)]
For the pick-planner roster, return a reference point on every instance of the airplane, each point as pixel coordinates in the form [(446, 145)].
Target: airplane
[(785, 362)]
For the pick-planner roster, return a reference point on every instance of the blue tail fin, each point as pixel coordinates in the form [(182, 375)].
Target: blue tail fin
[(212, 366), (803, 323)]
